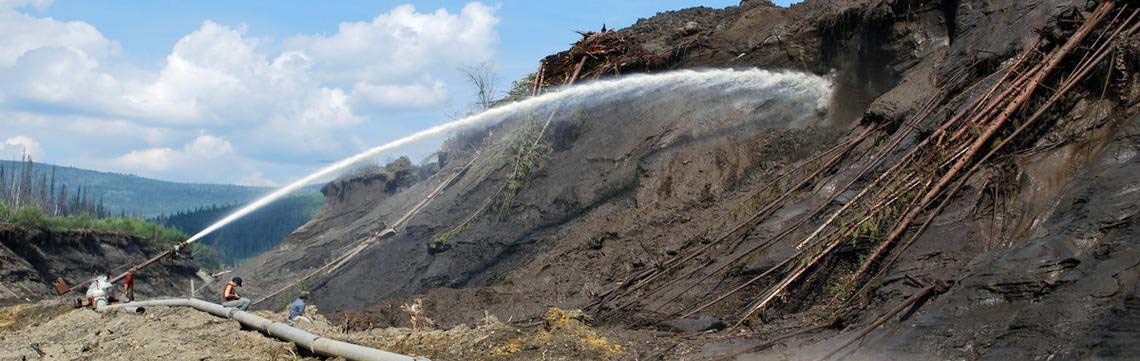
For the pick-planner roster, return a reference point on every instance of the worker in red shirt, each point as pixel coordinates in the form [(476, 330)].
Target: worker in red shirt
[(129, 286)]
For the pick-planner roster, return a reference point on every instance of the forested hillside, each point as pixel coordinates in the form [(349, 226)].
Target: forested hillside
[(133, 195), (252, 234), (37, 202), (46, 190)]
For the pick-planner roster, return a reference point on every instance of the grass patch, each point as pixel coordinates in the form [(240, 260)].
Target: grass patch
[(525, 154), (156, 234), (528, 154)]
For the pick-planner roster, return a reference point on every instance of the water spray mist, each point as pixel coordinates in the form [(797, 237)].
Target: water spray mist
[(789, 84)]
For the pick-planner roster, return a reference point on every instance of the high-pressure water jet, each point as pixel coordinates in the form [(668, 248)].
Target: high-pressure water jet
[(792, 83)]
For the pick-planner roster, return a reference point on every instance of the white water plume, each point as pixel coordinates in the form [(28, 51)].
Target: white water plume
[(789, 85)]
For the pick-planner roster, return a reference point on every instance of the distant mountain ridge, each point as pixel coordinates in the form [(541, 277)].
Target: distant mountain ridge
[(145, 197)]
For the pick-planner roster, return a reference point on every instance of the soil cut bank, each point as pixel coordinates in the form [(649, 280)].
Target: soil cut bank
[(1034, 250), (649, 212), (33, 258)]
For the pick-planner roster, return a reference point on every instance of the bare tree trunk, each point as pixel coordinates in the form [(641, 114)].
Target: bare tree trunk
[(482, 77)]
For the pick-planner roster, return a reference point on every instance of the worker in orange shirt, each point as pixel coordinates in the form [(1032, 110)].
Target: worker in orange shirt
[(231, 298)]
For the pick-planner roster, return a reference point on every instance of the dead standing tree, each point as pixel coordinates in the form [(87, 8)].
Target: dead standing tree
[(482, 77)]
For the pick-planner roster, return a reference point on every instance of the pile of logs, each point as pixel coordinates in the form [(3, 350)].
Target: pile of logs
[(603, 53)]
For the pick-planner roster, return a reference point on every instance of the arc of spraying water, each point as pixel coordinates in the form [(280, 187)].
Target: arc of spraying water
[(728, 78)]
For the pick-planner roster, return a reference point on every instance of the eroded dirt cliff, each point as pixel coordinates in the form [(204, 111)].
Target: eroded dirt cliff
[(33, 258), (1035, 256)]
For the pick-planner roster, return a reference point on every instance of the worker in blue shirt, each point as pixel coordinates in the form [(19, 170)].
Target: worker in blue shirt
[(297, 308)]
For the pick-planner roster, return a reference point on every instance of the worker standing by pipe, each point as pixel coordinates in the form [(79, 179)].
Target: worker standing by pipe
[(231, 298), (129, 286)]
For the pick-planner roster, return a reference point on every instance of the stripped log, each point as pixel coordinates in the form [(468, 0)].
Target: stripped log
[(870, 212), (783, 285), (1050, 64), (1082, 71), (933, 287), (892, 144), (747, 224), (537, 80), (779, 236), (773, 341)]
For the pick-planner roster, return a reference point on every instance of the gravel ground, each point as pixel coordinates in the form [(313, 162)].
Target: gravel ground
[(47, 331)]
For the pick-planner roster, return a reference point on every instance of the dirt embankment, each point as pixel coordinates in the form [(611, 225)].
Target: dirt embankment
[(1038, 250), (32, 259), (618, 181)]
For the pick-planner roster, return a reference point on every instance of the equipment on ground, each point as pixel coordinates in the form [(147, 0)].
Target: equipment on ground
[(62, 288)]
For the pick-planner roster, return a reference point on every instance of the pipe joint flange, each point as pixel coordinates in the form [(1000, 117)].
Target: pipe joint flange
[(313, 345)]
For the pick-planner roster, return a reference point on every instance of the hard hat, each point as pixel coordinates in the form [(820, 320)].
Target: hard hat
[(305, 295)]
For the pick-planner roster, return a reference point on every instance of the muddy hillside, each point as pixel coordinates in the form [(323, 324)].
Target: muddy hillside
[(33, 258), (966, 180)]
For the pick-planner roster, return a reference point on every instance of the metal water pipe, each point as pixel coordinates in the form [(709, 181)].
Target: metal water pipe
[(304, 339)]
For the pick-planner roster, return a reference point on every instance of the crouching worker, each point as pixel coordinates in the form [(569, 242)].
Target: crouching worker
[(99, 292), (230, 297), (297, 309)]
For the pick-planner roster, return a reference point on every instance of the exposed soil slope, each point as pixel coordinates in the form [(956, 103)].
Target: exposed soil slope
[(33, 259), (1038, 251)]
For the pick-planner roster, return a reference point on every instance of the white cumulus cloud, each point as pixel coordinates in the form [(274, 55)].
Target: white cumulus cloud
[(421, 94), (17, 146), (23, 33), (149, 160), (288, 101), (402, 42), (202, 151)]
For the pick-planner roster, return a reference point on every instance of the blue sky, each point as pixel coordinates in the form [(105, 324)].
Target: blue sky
[(260, 92)]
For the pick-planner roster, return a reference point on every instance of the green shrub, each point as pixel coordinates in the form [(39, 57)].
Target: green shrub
[(529, 154), (160, 236), (30, 217)]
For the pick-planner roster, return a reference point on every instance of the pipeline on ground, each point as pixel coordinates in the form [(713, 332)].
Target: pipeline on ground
[(303, 339)]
